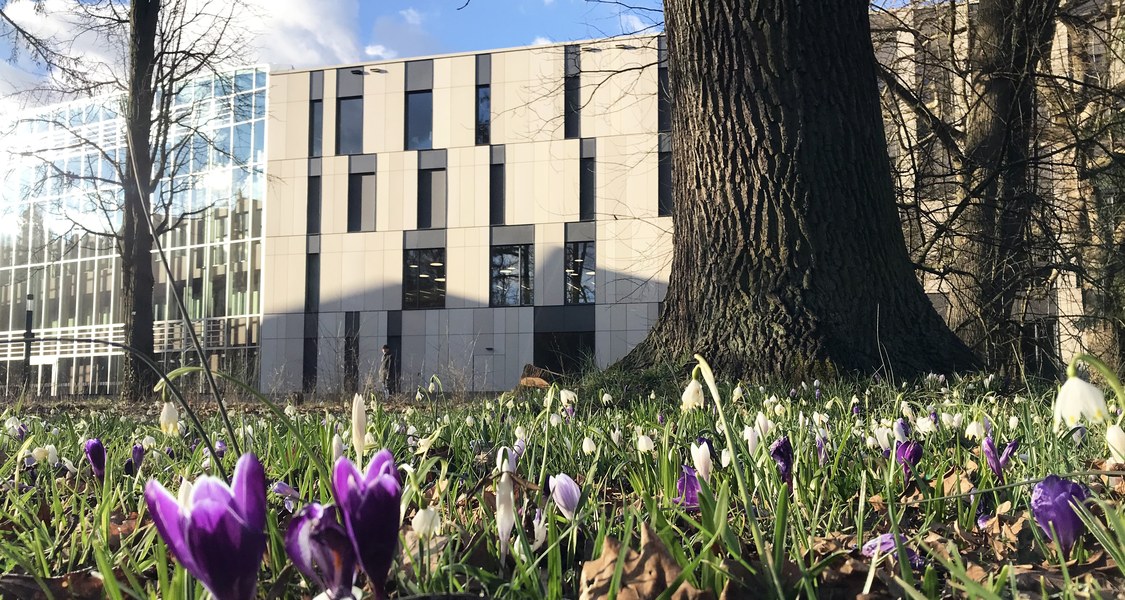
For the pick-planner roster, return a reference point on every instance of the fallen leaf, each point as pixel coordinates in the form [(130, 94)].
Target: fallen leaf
[(645, 575)]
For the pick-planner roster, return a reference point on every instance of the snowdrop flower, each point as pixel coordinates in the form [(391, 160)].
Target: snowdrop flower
[(724, 458), (872, 442), (1078, 399), (505, 500), (567, 397), (148, 442), (819, 419), (925, 425), (616, 437), (555, 420), (974, 431), (359, 426), (418, 397), (607, 399), (470, 421), (1115, 439), (763, 424), (779, 409), (737, 394), (549, 399), (1013, 422), (426, 523), (952, 421), (539, 527), (701, 456), (751, 435), (521, 433), (430, 388), (692, 397), (907, 411), (645, 444), (290, 411), (588, 446), (170, 419)]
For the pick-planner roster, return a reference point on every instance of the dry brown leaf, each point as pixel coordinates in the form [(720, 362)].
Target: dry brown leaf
[(76, 585), (646, 574), (876, 503)]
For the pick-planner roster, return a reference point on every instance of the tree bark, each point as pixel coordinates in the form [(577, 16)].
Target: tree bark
[(136, 234), (788, 254), (993, 255)]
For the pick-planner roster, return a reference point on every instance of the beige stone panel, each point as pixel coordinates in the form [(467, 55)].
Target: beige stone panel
[(331, 273), (464, 175), (556, 181), (408, 200), (462, 116), (392, 274), (549, 238), (329, 138), (442, 109), (634, 257), (352, 285), (333, 203), (627, 177)]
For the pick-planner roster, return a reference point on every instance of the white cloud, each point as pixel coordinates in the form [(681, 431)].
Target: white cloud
[(541, 41), (632, 24), (411, 16), (379, 52), (298, 33)]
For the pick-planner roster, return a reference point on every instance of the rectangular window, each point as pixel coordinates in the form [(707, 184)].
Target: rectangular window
[(513, 275), (419, 120), (423, 278), (663, 100), (351, 351), (587, 189), (580, 264), (431, 199), (316, 127), (484, 114), (572, 93), (312, 214), (349, 125), (361, 202), (664, 185), (308, 364), (312, 283), (496, 194)]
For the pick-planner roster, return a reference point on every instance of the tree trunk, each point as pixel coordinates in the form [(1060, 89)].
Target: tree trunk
[(993, 259), (788, 254), (136, 235)]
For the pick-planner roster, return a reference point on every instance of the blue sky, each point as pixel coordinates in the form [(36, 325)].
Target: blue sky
[(403, 28)]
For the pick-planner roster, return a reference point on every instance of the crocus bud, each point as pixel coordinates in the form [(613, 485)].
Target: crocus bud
[(337, 447), (370, 505), (687, 488), (138, 456), (566, 494), (908, 455), (701, 456), (750, 434), (322, 552), (359, 426), (782, 453), (505, 500), (95, 453), (1051, 505)]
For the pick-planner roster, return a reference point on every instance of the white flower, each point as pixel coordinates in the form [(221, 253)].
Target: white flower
[(588, 446), (470, 421), (779, 409), (426, 523), (1078, 399), (69, 466), (539, 525), (430, 388), (819, 419), (148, 442), (418, 397), (549, 400), (763, 425), (505, 500), (925, 425), (359, 426), (872, 442), (692, 397), (952, 421), (645, 444), (170, 419), (907, 411), (290, 411), (1115, 439), (521, 433), (567, 397), (607, 399), (736, 395), (12, 424), (974, 430), (616, 437), (337, 447), (368, 439), (884, 436), (701, 456), (724, 457), (1013, 422), (751, 435), (900, 432), (555, 419)]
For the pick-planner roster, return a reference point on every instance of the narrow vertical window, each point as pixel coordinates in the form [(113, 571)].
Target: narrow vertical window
[(351, 351), (419, 105), (496, 194), (349, 125), (312, 283), (431, 199), (572, 94), (312, 211), (484, 99), (361, 202), (316, 113), (587, 181), (579, 276), (663, 89), (664, 185)]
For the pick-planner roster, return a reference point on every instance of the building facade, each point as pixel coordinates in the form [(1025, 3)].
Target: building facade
[(475, 212), (59, 263)]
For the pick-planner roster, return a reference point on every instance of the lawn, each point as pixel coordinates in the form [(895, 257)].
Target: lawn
[(926, 488)]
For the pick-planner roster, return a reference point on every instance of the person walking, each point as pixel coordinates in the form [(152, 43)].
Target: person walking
[(385, 370)]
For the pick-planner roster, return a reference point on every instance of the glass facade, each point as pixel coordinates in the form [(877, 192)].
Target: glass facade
[(59, 209), (579, 280), (423, 278), (513, 275)]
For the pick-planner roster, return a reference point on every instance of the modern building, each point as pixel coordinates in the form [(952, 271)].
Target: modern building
[(59, 199), (476, 212)]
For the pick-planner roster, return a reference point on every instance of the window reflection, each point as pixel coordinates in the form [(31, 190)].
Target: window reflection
[(423, 278), (513, 275), (580, 272)]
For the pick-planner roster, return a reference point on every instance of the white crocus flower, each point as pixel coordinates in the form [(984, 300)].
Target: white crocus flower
[(1013, 422), (701, 456), (505, 500), (588, 446), (752, 436), (975, 431), (567, 398), (12, 424), (692, 397), (1115, 439), (1078, 399), (426, 523), (724, 458), (170, 419), (900, 432), (884, 436), (337, 447), (359, 426), (925, 425)]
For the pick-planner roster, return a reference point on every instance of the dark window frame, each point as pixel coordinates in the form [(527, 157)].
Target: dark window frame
[(484, 120), (511, 278), (423, 278), (580, 275), (355, 145), (411, 110)]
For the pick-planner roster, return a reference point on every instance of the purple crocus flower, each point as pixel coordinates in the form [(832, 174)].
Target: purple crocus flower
[(908, 454), (21, 431), (288, 492), (687, 488), (138, 456), (518, 449), (369, 503), (782, 453), (886, 543), (998, 463), (569, 412), (856, 410), (660, 418), (95, 453), (220, 448), (321, 550), (565, 493), (1051, 506), (218, 532), (821, 449)]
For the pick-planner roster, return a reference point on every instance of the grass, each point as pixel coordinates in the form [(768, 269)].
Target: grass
[(59, 527)]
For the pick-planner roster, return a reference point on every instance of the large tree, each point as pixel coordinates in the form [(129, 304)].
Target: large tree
[(788, 252)]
